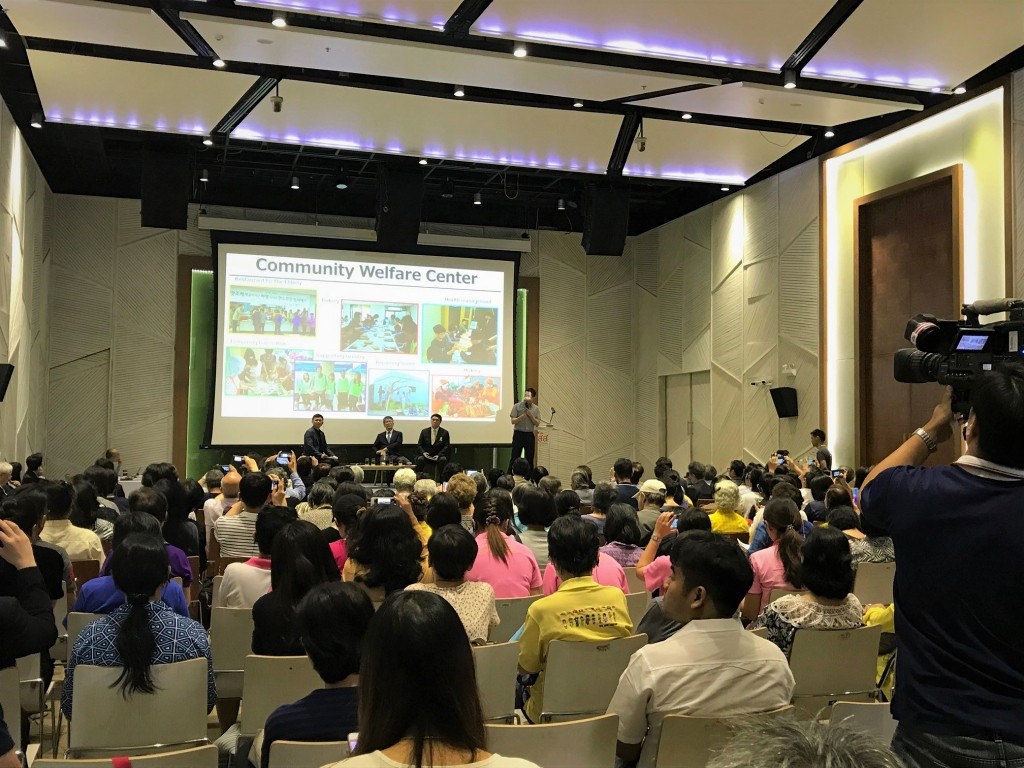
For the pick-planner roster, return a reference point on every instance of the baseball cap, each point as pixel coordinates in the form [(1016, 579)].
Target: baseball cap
[(651, 486)]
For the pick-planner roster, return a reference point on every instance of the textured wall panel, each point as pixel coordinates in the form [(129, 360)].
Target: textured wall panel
[(561, 454), (85, 233), (795, 434), (610, 329), (648, 423), (760, 421), (761, 221), (727, 237), (194, 241), (1017, 138), (670, 311), (697, 356), (645, 259), (645, 333), (529, 263), (77, 414), (565, 248), (1017, 94), (697, 226), (610, 408), (6, 232), (80, 316), (798, 292), (760, 310), (604, 272), (727, 324), (563, 304), (670, 248), (696, 298), (799, 195), (726, 418), (563, 387), (142, 378), (147, 285)]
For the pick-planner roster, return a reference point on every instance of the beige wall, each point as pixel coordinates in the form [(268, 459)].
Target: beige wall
[(25, 208)]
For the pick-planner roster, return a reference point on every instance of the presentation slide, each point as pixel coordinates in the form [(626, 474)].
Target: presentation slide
[(357, 336)]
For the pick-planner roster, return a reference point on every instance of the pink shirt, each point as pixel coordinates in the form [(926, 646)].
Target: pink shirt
[(339, 549), (769, 574), (658, 573), (608, 573), (514, 578)]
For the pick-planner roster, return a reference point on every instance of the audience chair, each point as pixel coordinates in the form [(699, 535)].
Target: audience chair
[(230, 643), (197, 757), (85, 570), (760, 632), (588, 743), (224, 562), (871, 717), (59, 650), (34, 694), (688, 742), (107, 723), (829, 665), (10, 700), (307, 754), (586, 509), (872, 583), (271, 681), (215, 591), (581, 677), (197, 578), (634, 582), (636, 604), (496, 667), (512, 613), (777, 593)]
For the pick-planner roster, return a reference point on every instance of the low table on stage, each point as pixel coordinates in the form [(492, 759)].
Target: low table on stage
[(130, 485), (379, 471)]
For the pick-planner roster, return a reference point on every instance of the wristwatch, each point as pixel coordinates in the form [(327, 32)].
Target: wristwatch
[(927, 439), (655, 538)]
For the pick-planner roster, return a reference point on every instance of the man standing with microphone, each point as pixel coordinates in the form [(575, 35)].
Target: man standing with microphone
[(525, 416)]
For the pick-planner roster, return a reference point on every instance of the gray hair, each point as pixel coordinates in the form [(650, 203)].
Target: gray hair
[(213, 477), (6, 468), (405, 479), (426, 486), (788, 743), (653, 498), (357, 472)]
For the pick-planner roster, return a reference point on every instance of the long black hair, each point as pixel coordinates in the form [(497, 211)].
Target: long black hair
[(139, 566), (301, 559), (417, 680), (388, 547), (84, 506)]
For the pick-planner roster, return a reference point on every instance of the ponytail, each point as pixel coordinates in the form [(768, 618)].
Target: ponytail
[(492, 515), (136, 644), (783, 516), (496, 539)]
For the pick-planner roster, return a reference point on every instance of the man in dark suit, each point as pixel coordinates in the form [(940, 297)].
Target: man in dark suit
[(314, 442), (434, 446), (389, 441)]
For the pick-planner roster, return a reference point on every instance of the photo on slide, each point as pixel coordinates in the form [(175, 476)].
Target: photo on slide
[(459, 335), (465, 397), (261, 372), (271, 311), (398, 393), (379, 327), (329, 386)]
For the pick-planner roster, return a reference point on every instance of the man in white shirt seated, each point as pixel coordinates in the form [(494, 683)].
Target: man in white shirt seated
[(245, 583), (711, 667)]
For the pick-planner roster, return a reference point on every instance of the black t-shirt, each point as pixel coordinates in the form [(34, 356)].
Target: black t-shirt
[(50, 564), (959, 542)]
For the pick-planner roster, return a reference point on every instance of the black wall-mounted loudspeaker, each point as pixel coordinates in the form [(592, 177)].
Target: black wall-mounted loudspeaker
[(399, 206), (605, 220), (785, 402), (6, 371), (166, 187)]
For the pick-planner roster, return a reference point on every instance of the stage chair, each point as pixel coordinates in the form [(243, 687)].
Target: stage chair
[(230, 643), (872, 583), (636, 604), (271, 681), (107, 723), (496, 667), (512, 613), (588, 743), (687, 742), (829, 665), (307, 754), (197, 757), (580, 677)]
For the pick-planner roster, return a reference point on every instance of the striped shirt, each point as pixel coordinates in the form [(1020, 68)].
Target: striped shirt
[(237, 535)]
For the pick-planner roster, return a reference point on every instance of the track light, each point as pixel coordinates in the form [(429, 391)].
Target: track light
[(960, 90), (829, 133), (561, 204), (3, 41), (725, 188), (789, 78), (447, 189), (207, 141), (205, 175), (37, 120), (687, 116), (219, 63), (578, 104), (477, 199), (423, 161), (341, 184), (295, 182), (519, 51), (279, 19), (460, 91)]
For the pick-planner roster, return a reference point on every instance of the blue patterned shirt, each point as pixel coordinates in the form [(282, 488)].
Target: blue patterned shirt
[(177, 639)]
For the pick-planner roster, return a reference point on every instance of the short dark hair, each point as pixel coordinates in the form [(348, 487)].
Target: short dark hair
[(818, 433), (997, 402), (439, 328), (566, 502), (332, 619), (843, 518), (317, 416), (452, 551), (386, 418), (521, 467), (573, 545), (531, 390), (692, 519), (696, 469), (254, 488), (714, 562), (33, 462), (837, 496), (623, 468), (269, 522), (827, 565), (442, 510), (438, 415), (538, 473), (24, 509), (536, 507), (604, 496), (59, 498), (102, 479), (160, 470), (135, 522), (819, 486), (622, 525), (146, 500), (661, 465)]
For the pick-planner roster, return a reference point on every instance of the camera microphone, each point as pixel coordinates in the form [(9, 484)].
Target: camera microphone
[(991, 306)]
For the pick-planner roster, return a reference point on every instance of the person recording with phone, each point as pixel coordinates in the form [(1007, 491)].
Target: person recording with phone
[(282, 466), (525, 417)]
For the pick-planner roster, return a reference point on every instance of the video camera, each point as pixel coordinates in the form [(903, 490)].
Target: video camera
[(956, 352)]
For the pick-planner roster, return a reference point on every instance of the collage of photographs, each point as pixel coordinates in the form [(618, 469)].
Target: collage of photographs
[(431, 335)]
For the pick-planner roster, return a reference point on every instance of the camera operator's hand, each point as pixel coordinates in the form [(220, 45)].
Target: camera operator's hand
[(940, 426)]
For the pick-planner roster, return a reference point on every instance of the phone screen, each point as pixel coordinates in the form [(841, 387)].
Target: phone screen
[(225, 467), (837, 473), (237, 459), (781, 461), (283, 459), (275, 485)]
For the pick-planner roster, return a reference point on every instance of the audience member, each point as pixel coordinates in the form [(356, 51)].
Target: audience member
[(637, 473), (566, 503), (318, 504), (725, 518), (142, 632), (245, 583), (236, 533), (599, 612), (387, 552), (443, 510), (103, 481), (27, 510), (504, 563), (710, 667), (453, 551), (463, 488), (622, 532), (346, 512), (580, 483), (863, 548), (625, 489), (777, 567), (79, 543), (520, 471), (536, 512), (655, 568), (550, 484), (815, 509), (781, 488), (791, 743), (605, 494), (661, 465), (426, 486), (85, 511), (33, 469), (650, 499), (697, 487), (178, 530), (6, 486), (217, 506), (147, 501), (404, 480)]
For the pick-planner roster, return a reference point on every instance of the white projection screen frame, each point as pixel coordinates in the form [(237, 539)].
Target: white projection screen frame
[(356, 335)]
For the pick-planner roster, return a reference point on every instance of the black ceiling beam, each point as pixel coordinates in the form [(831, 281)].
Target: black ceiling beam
[(249, 101), (822, 32), (465, 16), (184, 30), (620, 150)]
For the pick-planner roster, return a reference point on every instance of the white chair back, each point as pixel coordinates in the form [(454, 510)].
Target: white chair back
[(834, 663), (10, 701), (307, 754), (496, 667), (230, 643), (197, 757), (586, 743), (870, 717), (873, 583), (215, 599), (76, 623), (59, 650), (687, 742), (512, 612), (634, 582), (105, 722), (580, 678), (271, 681), (636, 604)]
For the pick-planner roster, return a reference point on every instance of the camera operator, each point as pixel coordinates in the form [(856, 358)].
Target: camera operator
[(958, 531)]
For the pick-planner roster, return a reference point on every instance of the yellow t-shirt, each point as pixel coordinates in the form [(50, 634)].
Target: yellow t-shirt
[(580, 610), (728, 522)]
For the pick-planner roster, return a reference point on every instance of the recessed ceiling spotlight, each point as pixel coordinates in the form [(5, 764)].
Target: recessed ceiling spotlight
[(725, 188), (219, 63), (37, 120), (936, 89), (279, 19), (205, 175), (341, 184), (578, 104), (788, 78), (960, 90), (561, 204), (423, 161), (829, 133), (207, 141), (687, 116), (295, 182), (519, 51), (477, 199), (3, 41), (460, 91)]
